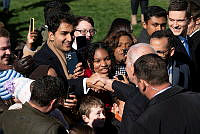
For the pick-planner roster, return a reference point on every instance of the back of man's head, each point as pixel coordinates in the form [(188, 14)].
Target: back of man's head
[(152, 69), (155, 11), (179, 5), (55, 18), (46, 89), (4, 33)]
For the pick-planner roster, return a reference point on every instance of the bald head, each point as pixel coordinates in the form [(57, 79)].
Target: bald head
[(139, 50)]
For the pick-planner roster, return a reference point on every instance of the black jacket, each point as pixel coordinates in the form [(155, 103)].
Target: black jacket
[(144, 37), (135, 103), (174, 111)]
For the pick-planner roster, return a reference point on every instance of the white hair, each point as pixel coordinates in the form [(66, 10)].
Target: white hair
[(139, 50)]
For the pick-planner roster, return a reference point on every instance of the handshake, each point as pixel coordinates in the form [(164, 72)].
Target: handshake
[(97, 82)]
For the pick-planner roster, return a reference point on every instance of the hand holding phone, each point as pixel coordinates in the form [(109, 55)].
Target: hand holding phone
[(32, 25), (120, 77)]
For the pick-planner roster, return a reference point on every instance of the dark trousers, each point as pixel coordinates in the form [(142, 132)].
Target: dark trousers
[(135, 5)]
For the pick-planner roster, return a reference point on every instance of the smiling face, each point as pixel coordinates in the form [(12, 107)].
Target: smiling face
[(177, 22), (4, 50), (102, 62), (63, 37), (96, 117), (155, 24), (124, 43), (84, 26)]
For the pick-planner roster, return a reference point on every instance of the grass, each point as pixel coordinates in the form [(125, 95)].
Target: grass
[(102, 11)]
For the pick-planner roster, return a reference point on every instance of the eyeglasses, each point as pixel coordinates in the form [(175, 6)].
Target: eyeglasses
[(84, 32), (162, 52)]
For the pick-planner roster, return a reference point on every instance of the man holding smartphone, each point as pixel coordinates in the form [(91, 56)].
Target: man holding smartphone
[(59, 45)]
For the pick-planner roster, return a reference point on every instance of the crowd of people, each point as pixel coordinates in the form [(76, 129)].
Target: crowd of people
[(61, 82)]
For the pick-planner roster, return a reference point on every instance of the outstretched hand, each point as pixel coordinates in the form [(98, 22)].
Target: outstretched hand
[(98, 82)]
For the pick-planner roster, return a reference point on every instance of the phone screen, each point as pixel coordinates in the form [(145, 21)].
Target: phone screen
[(72, 60), (32, 27)]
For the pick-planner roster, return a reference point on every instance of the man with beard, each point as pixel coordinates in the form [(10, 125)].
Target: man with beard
[(179, 73)]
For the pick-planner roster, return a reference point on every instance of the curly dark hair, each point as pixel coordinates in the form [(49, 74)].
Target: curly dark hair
[(47, 88), (55, 5), (56, 18), (113, 40), (91, 52)]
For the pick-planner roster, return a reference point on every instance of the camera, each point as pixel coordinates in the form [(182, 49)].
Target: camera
[(125, 51)]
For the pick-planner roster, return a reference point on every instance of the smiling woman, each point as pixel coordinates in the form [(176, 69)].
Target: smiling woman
[(100, 59)]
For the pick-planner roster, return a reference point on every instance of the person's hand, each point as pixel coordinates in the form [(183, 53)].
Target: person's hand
[(31, 38), (99, 82), (79, 71), (125, 80), (94, 83), (24, 65), (71, 102)]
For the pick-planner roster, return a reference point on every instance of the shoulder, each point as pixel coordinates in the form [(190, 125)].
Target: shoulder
[(9, 75), (56, 128), (44, 55)]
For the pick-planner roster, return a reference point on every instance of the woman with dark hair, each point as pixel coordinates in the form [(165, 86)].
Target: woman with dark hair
[(120, 43), (100, 59)]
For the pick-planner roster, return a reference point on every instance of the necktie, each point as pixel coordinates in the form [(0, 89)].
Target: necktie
[(185, 44)]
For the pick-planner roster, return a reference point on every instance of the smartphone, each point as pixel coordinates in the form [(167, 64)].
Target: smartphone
[(70, 91), (125, 51), (120, 77), (81, 42), (32, 24), (72, 60)]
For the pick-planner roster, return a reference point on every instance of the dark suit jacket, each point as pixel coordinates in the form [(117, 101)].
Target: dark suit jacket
[(172, 112), (135, 103), (29, 120), (181, 74), (195, 52), (144, 37), (181, 55), (180, 51), (45, 56)]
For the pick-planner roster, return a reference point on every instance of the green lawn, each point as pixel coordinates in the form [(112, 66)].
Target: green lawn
[(102, 11)]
